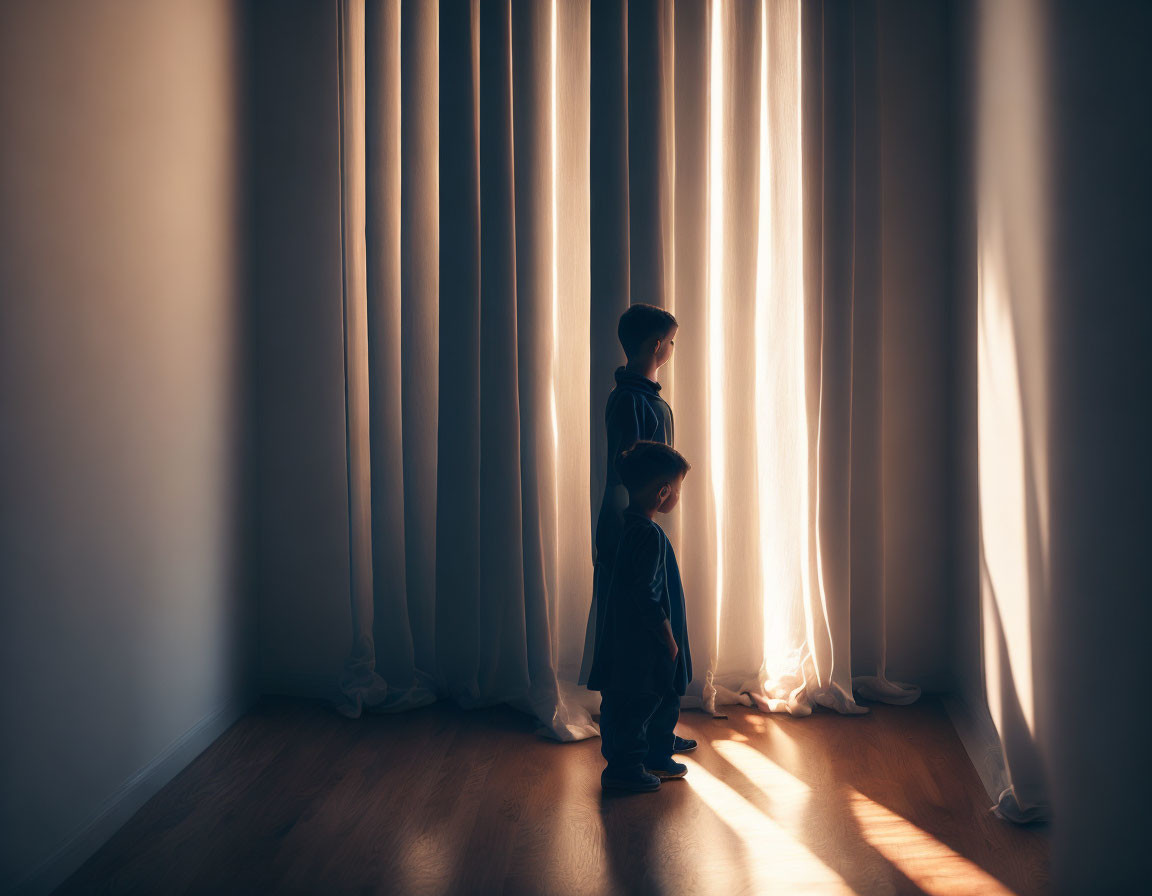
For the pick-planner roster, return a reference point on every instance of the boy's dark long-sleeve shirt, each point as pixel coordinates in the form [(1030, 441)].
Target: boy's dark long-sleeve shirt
[(634, 412), (631, 653)]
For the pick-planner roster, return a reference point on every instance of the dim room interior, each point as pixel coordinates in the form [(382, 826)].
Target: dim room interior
[(308, 316)]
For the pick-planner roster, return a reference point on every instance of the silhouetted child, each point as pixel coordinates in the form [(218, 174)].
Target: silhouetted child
[(642, 663), (634, 411)]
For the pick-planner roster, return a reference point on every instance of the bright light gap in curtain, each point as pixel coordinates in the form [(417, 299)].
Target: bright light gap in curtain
[(715, 369), (555, 294), (782, 454), (765, 293)]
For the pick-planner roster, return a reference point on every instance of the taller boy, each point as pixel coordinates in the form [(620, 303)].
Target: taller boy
[(635, 412)]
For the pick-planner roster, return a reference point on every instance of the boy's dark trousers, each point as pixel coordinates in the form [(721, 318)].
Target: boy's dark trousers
[(637, 730)]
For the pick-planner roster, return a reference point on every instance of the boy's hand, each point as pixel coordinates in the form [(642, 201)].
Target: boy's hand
[(670, 640)]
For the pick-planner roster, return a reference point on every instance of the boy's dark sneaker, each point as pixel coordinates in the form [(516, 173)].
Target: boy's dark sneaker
[(683, 744), (636, 782), (671, 769)]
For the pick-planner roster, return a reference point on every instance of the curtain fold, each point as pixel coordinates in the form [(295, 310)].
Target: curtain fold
[(1014, 405), (515, 173), (393, 571), (844, 346)]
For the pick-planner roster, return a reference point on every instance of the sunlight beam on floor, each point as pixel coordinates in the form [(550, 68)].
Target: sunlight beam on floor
[(776, 859), (928, 863), (772, 780)]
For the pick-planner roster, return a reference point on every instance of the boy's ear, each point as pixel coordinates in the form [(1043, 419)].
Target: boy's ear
[(665, 491)]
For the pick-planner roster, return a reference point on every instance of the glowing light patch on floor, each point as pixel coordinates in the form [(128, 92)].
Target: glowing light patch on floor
[(929, 864), (774, 782), (427, 862), (774, 857)]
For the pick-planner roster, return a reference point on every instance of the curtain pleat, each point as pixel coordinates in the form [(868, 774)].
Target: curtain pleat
[(419, 308), (651, 32), (571, 326), (867, 547), (651, 150), (844, 339), (829, 348), (531, 50), (697, 550), (458, 461), (608, 237)]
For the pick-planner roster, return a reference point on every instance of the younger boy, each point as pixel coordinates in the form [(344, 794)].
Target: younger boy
[(642, 662)]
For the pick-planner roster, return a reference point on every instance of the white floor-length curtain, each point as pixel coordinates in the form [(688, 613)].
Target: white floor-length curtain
[(466, 339), (514, 174)]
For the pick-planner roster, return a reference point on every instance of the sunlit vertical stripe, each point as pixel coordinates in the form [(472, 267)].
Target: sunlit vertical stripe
[(552, 397), (716, 367), (1002, 449), (769, 552)]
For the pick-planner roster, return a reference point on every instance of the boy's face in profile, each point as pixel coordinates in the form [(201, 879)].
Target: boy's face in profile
[(669, 499), (662, 348)]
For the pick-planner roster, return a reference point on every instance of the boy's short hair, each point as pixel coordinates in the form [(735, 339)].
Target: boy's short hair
[(648, 462), (640, 323)]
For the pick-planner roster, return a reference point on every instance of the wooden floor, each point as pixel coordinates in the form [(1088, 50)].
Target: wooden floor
[(297, 799)]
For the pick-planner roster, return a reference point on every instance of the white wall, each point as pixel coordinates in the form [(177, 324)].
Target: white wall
[(1095, 723), (121, 629)]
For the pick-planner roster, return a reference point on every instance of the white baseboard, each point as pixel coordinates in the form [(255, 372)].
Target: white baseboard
[(128, 798), (978, 734)]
